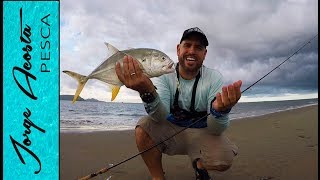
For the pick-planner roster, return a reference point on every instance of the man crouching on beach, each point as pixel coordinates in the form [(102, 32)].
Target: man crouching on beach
[(174, 101)]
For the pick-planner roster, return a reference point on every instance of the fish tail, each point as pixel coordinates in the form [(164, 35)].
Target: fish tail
[(82, 80)]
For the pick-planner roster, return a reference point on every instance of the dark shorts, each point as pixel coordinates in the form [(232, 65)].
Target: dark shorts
[(196, 143)]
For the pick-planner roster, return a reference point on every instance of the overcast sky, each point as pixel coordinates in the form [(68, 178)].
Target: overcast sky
[(247, 39)]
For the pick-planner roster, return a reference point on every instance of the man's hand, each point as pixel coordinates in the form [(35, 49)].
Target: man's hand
[(230, 96), (132, 76)]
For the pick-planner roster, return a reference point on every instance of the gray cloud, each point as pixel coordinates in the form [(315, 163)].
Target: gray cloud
[(247, 38)]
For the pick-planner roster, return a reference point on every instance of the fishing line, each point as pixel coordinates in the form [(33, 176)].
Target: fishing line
[(178, 132)]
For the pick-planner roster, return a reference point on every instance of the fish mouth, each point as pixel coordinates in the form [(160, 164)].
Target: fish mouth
[(169, 68), (171, 65)]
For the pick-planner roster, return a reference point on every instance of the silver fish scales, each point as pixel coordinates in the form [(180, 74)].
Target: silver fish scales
[(152, 62)]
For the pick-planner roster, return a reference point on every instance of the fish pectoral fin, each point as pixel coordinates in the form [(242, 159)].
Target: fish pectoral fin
[(115, 91), (111, 48)]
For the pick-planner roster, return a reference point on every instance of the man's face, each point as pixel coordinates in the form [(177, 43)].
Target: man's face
[(191, 54)]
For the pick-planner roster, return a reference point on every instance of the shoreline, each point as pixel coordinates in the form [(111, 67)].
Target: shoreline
[(79, 130), (278, 111)]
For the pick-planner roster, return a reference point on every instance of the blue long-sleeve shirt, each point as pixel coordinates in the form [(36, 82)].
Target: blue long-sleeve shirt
[(210, 83)]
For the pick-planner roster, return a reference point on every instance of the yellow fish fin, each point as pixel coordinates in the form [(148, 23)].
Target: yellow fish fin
[(81, 82), (115, 91)]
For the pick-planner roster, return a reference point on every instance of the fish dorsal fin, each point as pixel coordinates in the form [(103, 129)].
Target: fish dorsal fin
[(111, 48), (115, 91)]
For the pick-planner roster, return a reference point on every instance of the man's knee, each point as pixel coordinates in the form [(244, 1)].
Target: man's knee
[(142, 136)]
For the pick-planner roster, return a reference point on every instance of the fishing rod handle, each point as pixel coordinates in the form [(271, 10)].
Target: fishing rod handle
[(88, 176), (94, 174)]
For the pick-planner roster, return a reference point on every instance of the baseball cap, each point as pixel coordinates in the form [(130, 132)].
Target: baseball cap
[(195, 30)]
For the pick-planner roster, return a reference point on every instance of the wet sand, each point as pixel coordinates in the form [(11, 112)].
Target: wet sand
[(282, 145)]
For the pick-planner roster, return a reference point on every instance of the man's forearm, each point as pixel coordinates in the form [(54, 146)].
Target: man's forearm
[(156, 109)]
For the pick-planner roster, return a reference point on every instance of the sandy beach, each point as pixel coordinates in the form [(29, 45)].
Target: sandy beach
[(281, 145)]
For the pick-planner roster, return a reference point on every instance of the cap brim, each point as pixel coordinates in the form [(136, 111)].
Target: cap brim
[(203, 40)]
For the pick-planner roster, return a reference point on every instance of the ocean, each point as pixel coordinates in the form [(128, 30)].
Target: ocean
[(105, 116)]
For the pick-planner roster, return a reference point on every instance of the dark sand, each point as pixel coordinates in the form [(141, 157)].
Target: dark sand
[(282, 145)]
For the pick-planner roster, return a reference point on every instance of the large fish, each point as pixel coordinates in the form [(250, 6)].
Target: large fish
[(152, 62)]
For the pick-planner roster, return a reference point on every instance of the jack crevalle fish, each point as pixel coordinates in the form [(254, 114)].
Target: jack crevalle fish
[(152, 62)]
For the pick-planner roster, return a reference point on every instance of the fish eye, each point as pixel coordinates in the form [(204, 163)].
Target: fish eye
[(163, 58)]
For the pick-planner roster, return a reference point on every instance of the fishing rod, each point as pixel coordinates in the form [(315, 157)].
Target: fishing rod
[(103, 170)]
